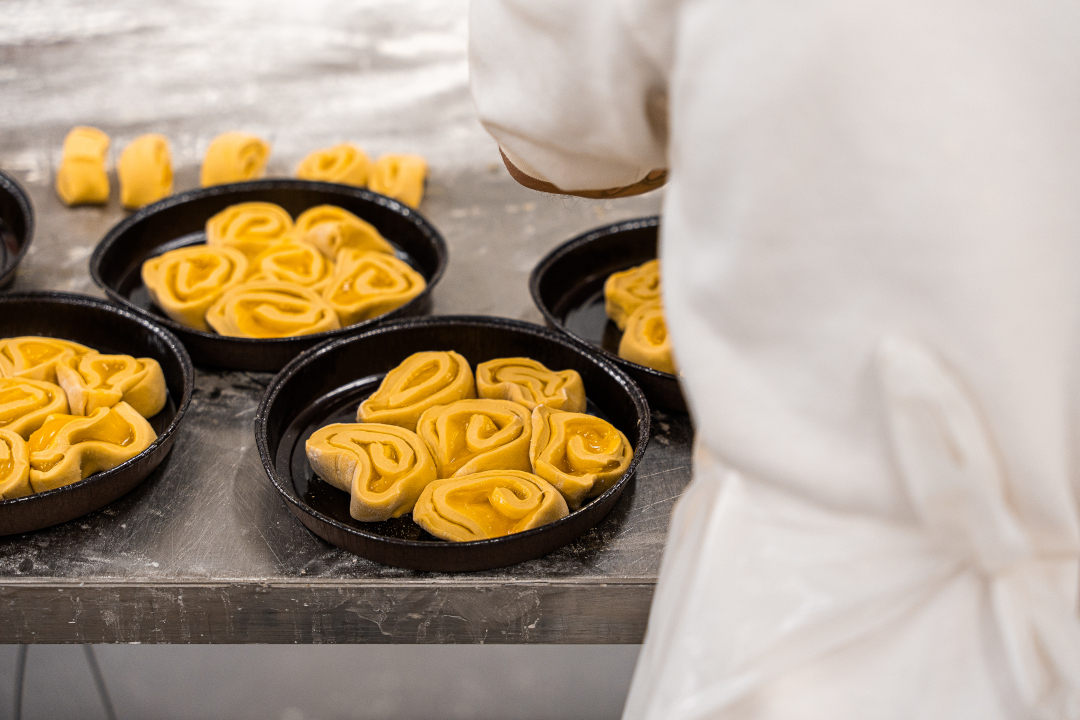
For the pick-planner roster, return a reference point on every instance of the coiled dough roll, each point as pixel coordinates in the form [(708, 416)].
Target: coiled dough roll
[(25, 403), (69, 448), (234, 157), (580, 454), (332, 229), (81, 178), (489, 504), (645, 339), (530, 383), (470, 436), (368, 284), (94, 381), (35, 357), (185, 282), (626, 291), (400, 177), (383, 467), (251, 227), (270, 310), (421, 381), (345, 163), (145, 171), (14, 465), (292, 262)]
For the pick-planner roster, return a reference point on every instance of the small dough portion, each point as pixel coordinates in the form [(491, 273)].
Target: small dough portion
[(421, 381), (81, 178), (185, 282), (271, 310), (626, 291), (345, 163), (250, 227), (332, 229), (488, 504), (470, 436), (401, 177), (145, 171), (646, 341), (291, 262), (368, 284), (94, 381), (14, 466), (35, 357), (530, 383), (25, 403), (234, 157)]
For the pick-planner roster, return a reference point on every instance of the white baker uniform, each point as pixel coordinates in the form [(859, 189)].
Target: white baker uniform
[(871, 267)]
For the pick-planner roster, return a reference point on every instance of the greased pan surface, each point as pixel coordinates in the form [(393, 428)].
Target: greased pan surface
[(108, 329), (326, 384), (180, 220), (568, 288), (16, 227)]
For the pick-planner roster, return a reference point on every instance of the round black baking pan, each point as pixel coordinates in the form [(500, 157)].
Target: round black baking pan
[(16, 226), (180, 220), (112, 330), (325, 385), (568, 287)]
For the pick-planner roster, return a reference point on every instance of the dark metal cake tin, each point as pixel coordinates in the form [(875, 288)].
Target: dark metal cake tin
[(325, 385), (567, 286), (108, 329), (180, 220), (16, 227)]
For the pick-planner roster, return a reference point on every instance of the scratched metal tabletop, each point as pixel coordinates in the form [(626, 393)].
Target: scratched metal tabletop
[(205, 550)]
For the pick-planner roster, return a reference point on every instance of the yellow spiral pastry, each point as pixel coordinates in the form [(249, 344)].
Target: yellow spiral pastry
[(333, 229), (579, 454), (625, 292), (24, 404), (291, 262), (14, 465), (251, 227), (271, 310), (35, 357), (368, 284), (345, 163), (145, 171), (400, 177), (423, 380), (81, 178), (487, 505), (383, 467), (470, 436), (530, 383), (95, 381), (185, 282), (645, 339), (70, 448), (234, 157)]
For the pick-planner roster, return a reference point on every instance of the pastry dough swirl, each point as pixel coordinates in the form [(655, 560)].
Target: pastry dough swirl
[(530, 383), (421, 381), (69, 448), (400, 177), (383, 467), (234, 157), (25, 403), (185, 282), (250, 227), (297, 263), (332, 229), (14, 465), (271, 310), (368, 284), (94, 381), (489, 504), (345, 163), (81, 178), (625, 291), (35, 357), (470, 436), (645, 340), (581, 455), (145, 171)]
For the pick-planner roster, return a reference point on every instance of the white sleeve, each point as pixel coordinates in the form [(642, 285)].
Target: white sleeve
[(567, 90)]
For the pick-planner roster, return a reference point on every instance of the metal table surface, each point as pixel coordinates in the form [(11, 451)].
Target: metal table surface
[(205, 550)]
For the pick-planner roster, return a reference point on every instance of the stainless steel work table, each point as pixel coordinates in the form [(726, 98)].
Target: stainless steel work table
[(205, 550)]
